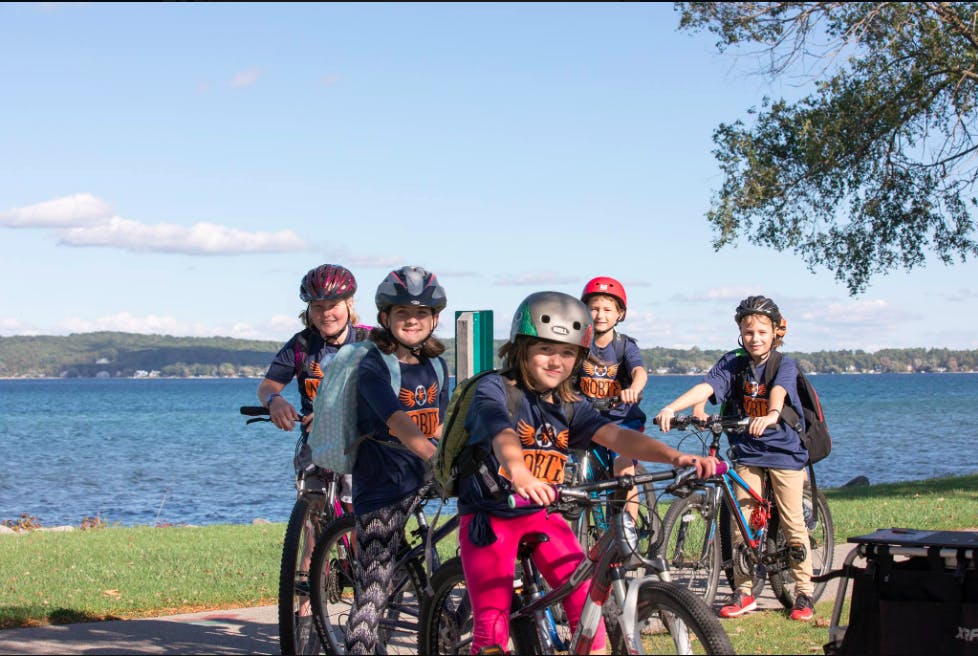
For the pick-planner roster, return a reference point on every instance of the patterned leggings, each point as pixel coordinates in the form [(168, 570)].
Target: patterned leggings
[(379, 534)]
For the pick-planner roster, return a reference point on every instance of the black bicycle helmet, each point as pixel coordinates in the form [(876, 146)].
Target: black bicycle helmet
[(411, 286), (764, 306), (327, 282), (556, 317)]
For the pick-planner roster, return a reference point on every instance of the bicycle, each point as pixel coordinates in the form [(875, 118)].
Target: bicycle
[(696, 534), (586, 465), (648, 614), (332, 576), (316, 505)]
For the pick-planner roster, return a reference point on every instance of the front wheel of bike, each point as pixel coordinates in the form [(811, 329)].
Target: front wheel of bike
[(296, 630), (446, 616), (690, 544), (331, 579), (671, 620), (821, 546)]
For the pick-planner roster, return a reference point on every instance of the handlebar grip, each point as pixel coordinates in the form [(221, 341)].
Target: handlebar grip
[(254, 410)]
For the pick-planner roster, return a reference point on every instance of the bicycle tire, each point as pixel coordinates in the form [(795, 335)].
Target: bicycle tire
[(693, 563), (296, 624), (821, 538), (446, 616), (667, 614), (332, 578), (331, 583)]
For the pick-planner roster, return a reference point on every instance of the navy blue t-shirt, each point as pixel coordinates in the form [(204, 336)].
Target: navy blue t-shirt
[(385, 475), (282, 370), (611, 376), (780, 446), (543, 431)]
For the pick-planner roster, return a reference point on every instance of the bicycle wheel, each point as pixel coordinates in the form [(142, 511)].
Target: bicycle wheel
[(332, 581), (331, 576), (671, 620), (592, 522), (446, 616), (296, 629), (690, 545), (821, 546)]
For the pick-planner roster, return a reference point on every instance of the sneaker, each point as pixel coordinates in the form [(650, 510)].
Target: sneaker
[(740, 603), (803, 610)]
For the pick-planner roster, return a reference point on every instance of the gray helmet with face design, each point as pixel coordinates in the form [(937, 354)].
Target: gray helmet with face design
[(553, 316)]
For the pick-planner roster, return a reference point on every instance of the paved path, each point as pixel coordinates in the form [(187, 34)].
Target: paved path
[(240, 631)]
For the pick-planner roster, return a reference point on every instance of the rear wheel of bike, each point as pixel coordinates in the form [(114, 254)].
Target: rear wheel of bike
[(446, 616), (690, 544), (296, 629), (672, 620), (821, 546), (331, 579)]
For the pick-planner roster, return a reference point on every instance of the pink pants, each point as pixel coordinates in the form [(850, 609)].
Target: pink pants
[(489, 573)]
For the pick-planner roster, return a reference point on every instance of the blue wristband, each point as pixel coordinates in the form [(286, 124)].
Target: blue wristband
[(268, 401)]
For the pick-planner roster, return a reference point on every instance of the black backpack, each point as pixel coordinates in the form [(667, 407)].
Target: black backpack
[(815, 436)]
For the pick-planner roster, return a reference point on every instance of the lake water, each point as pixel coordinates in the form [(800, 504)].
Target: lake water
[(177, 451)]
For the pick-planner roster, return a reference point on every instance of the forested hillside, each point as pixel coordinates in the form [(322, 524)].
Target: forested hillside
[(114, 354)]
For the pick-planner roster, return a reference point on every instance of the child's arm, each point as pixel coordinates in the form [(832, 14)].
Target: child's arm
[(633, 444), (634, 391), (509, 452), (403, 428), (775, 404), (699, 393)]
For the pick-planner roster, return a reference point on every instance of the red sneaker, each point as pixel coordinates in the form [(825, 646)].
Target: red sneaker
[(804, 609), (740, 603)]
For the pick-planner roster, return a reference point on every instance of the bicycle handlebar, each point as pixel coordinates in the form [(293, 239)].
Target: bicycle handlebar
[(714, 423), (581, 494), (258, 413)]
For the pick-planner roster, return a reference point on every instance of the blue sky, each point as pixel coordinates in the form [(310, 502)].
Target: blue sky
[(176, 168)]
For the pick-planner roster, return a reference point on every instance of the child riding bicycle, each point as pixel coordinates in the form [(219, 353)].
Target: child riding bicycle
[(769, 446), (550, 336), (330, 322)]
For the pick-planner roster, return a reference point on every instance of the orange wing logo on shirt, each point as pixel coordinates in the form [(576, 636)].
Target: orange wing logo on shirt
[(406, 397), (545, 437), (600, 370), (419, 396), (755, 399)]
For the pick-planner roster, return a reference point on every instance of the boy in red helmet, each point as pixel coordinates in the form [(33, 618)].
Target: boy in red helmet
[(614, 367)]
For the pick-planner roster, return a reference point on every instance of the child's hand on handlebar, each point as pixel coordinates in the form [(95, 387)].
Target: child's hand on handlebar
[(706, 466), (530, 487), (283, 414), (664, 419)]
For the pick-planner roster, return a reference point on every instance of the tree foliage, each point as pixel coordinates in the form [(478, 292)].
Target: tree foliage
[(875, 168)]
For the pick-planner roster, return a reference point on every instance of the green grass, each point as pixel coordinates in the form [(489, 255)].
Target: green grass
[(132, 572), (137, 572)]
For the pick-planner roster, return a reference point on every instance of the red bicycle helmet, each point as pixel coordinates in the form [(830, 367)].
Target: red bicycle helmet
[(608, 287), (327, 282)]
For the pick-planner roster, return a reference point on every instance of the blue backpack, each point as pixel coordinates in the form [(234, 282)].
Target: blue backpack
[(333, 438)]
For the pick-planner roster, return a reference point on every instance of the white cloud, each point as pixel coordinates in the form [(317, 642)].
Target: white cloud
[(246, 78), (76, 210), (734, 294), (536, 278), (10, 327), (153, 324), (199, 239)]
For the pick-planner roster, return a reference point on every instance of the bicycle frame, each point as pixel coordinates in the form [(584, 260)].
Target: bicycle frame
[(604, 566)]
